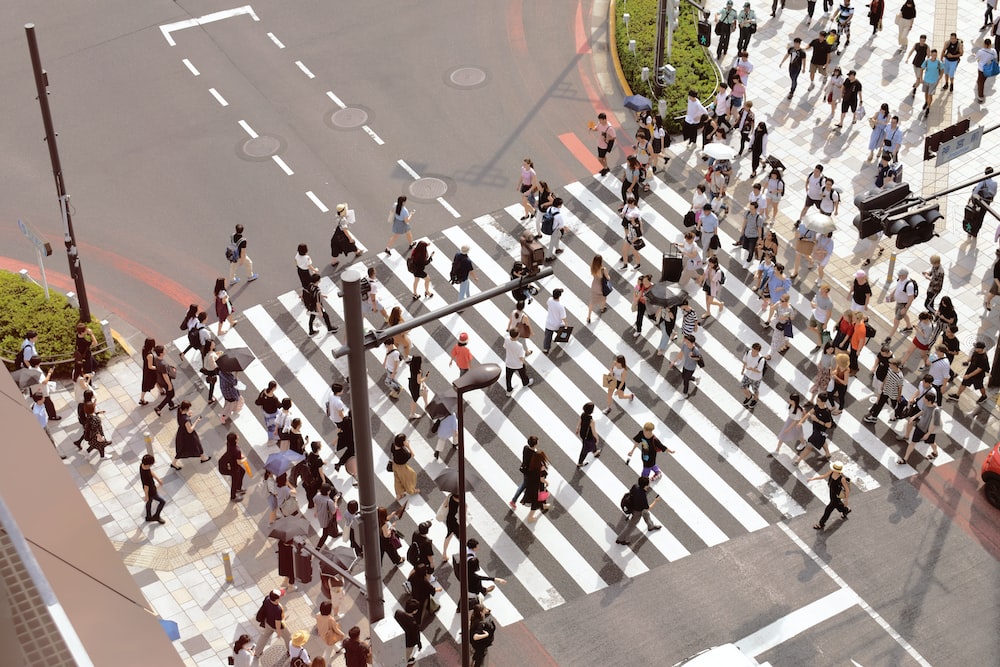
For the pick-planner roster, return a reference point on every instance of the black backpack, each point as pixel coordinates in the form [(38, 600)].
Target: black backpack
[(19, 358), (194, 337), (916, 288), (548, 221), (309, 299), (626, 503), (411, 263)]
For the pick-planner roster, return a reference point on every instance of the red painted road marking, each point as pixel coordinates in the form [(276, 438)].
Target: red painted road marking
[(580, 151), (514, 646), (582, 43)]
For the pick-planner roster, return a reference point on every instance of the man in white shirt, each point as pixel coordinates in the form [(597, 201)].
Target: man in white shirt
[(557, 229), (829, 202), (28, 349), (336, 409), (514, 361), (753, 373), (554, 318), (814, 191), (902, 295), (939, 369), (722, 100), (984, 56), (692, 117), (374, 286)]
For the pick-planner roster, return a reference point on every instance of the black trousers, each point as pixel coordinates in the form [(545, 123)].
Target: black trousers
[(153, 495), (723, 46), (880, 403), (213, 378), (744, 41), (521, 372), (326, 320), (687, 376), (835, 504), (236, 480), (168, 399), (332, 530)]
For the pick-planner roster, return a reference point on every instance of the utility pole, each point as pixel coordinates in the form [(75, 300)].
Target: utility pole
[(661, 37), (42, 84)]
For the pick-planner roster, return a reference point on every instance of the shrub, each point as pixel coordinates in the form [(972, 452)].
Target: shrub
[(23, 306), (695, 70)]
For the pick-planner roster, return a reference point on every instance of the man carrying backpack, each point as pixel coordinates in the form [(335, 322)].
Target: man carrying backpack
[(462, 272), (638, 505), (27, 351), (312, 298), (326, 512), (236, 253), (553, 226), (903, 294)]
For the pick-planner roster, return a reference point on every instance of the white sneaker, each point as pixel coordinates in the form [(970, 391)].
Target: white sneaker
[(799, 447), (531, 381), (509, 393), (636, 334)]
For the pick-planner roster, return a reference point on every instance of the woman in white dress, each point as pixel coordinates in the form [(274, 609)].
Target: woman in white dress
[(791, 432)]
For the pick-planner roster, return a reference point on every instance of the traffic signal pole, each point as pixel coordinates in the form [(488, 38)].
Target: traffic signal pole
[(72, 252)]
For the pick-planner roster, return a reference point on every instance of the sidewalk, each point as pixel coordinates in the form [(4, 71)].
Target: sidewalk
[(179, 565)]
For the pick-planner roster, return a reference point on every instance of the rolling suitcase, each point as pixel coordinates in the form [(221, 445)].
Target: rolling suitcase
[(673, 265)]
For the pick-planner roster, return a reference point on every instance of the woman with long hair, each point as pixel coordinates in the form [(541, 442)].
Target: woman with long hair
[(400, 217), (187, 443), (519, 320), (148, 370), (598, 276), (386, 529), (223, 305), (642, 287), (619, 374), (210, 367), (93, 430), (417, 385), (404, 477), (631, 182), (587, 433), (758, 146), (536, 492), (711, 284), (791, 432), (402, 340), (342, 242), (417, 265), (544, 200), (824, 367), (527, 184), (841, 376)]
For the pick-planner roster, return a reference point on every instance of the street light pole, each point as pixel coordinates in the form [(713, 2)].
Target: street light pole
[(72, 252), (354, 323), (477, 377)]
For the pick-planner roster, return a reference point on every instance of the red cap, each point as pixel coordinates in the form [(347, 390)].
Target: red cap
[(463, 337)]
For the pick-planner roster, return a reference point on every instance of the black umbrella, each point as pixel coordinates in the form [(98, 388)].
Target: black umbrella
[(342, 556), (447, 480), (288, 528), (638, 103), (666, 295), (236, 359), (25, 377), (443, 404)]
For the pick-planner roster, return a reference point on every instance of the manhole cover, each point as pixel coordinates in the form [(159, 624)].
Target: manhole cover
[(428, 188), (350, 117), (262, 146), (468, 76)]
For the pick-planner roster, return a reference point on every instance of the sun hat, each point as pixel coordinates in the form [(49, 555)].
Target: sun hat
[(838, 466), (300, 638)]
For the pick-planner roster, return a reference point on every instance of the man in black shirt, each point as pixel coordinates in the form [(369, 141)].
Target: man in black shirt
[(150, 482), (796, 57), (639, 505), (822, 421), (529, 450), (975, 374), (820, 57), (271, 617), (241, 257)]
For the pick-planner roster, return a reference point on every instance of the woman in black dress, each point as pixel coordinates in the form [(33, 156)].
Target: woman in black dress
[(588, 436), (386, 528), (342, 242), (187, 444), (422, 590), (85, 340), (451, 524), (417, 385), (417, 265), (148, 370), (535, 485)]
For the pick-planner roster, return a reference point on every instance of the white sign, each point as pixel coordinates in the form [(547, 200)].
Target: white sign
[(960, 145), (36, 240)]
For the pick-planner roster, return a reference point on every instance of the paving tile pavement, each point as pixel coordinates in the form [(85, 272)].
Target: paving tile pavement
[(179, 566), (801, 134)]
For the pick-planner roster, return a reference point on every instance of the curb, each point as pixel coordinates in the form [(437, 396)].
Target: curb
[(121, 342), (613, 47)]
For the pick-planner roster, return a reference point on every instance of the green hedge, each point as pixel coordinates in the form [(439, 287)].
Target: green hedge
[(694, 69), (23, 306)]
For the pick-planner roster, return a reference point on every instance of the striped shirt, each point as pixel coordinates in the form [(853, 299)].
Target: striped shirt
[(893, 385), (690, 321)]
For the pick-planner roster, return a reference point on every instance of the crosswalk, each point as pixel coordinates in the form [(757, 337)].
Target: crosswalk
[(720, 483)]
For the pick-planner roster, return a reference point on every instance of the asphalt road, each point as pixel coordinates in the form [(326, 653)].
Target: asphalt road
[(159, 170)]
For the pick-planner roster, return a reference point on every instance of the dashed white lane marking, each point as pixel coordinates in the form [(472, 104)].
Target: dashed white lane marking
[(408, 169), (448, 207), (305, 70), (335, 99), (248, 129), (371, 133), (194, 70), (320, 205), (168, 28), (284, 167), (843, 584), (218, 98), (275, 40), (797, 622)]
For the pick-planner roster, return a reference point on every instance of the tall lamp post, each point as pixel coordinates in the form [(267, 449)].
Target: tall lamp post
[(478, 377)]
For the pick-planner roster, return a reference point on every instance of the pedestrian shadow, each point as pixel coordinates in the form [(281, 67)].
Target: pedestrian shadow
[(905, 498)]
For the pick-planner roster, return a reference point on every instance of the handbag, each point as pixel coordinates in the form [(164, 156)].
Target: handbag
[(871, 122), (442, 512), (388, 466), (606, 288), (805, 246), (639, 243), (543, 495), (991, 69), (394, 539), (860, 113), (788, 329), (563, 334), (524, 329), (608, 381)]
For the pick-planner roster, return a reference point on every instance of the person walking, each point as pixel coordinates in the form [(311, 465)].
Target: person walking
[(164, 371), (975, 373), (417, 385), (877, 138), (231, 395), (935, 282), (527, 185), (187, 443), (994, 283), (417, 263), (711, 285), (639, 292), (782, 326), (951, 54), (841, 375), (151, 482), (374, 304), (269, 404), (514, 356), (149, 376), (890, 391), (904, 21), (529, 449), (233, 464), (725, 24), (408, 619), (224, 308), (902, 296), (708, 227), (876, 10), (326, 504), (600, 280), (519, 320), (297, 653), (388, 535), (615, 379), (747, 21), (693, 117), (402, 340), (536, 493), (638, 508), (753, 230), (555, 319), (820, 57), (922, 427), (690, 356), (605, 141), (197, 333), (404, 477), (752, 373), (236, 252), (588, 434), (312, 299), (210, 365), (554, 226), (835, 90), (243, 649), (649, 445), (463, 273), (343, 242), (461, 355), (796, 57), (984, 56), (778, 286), (482, 630), (328, 629), (632, 233), (922, 338), (920, 50), (822, 421), (271, 617), (392, 363), (860, 292), (399, 218), (357, 652), (932, 69), (791, 431), (840, 493), (304, 265)]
